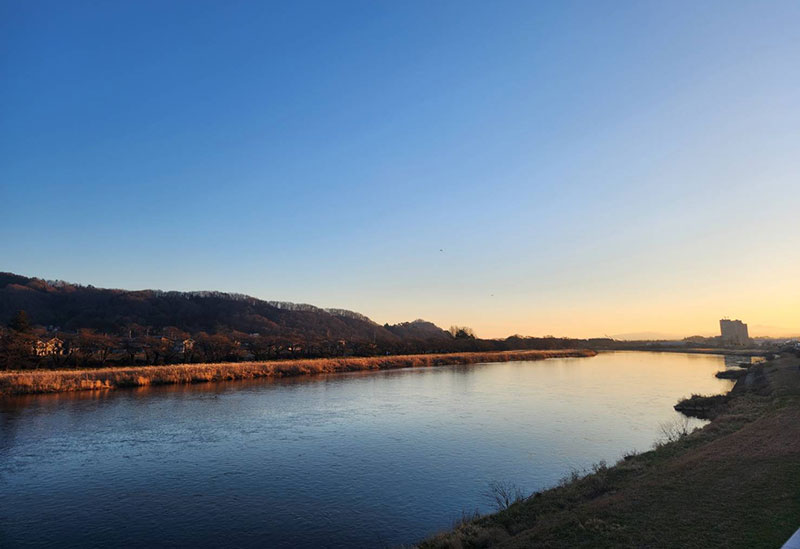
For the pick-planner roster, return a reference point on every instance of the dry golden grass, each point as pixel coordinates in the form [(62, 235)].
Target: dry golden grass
[(53, 381)]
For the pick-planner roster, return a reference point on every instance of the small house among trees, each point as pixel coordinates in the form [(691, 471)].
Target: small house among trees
[(50, 347)]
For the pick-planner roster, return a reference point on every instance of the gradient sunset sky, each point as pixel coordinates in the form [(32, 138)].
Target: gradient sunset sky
[(565, 168)]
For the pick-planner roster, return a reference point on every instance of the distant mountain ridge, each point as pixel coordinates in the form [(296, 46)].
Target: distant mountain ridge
[(70, 307)]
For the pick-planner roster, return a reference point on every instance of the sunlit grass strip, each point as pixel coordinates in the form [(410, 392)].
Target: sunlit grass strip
[(53, 381)]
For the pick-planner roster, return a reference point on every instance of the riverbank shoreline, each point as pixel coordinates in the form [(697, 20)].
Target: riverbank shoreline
[(733, 483), (25, 382), (694, 351)]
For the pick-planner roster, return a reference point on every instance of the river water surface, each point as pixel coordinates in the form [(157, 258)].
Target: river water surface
[(350, 460)]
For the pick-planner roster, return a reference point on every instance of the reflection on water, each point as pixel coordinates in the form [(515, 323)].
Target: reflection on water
[(362, 459)]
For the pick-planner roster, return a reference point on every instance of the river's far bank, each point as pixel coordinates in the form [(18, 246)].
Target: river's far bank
[(726, 351), (22, 382), (733, 483)]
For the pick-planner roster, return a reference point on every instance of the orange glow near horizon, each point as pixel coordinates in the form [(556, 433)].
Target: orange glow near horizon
[(675, 310)]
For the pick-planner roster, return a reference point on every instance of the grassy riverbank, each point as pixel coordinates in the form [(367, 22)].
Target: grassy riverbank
[(734, 483), (52, 381)]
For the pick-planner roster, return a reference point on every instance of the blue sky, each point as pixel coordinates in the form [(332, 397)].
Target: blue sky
[(586, 168)]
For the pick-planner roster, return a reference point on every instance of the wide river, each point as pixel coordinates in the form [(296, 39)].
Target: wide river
[(350, 460)]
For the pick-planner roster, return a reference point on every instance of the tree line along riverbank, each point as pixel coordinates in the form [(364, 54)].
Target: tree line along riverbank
[(59, 325), (733, 483), (51, 381)]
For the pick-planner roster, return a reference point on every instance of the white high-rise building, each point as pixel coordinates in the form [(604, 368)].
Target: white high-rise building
[(734, 332)]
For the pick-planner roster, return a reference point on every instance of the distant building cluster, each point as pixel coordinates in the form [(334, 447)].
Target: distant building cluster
[(734, 332)]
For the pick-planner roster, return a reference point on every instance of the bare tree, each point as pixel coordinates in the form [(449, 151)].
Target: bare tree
[(503, 494), (462, 332), (672, 431)]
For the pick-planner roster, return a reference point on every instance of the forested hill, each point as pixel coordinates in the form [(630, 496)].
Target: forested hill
[(58, 324), (71, 307)]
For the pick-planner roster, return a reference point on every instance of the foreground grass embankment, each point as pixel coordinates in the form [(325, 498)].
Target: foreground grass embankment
[(734, 483), (53, 381)]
